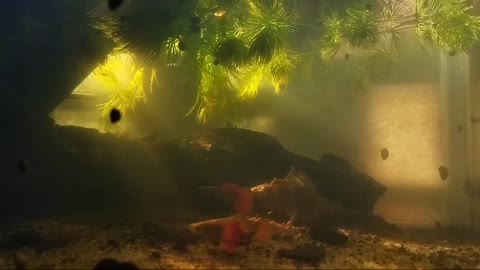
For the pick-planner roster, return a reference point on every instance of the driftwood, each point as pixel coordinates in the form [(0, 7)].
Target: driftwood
[(73, 170), (249, 158)]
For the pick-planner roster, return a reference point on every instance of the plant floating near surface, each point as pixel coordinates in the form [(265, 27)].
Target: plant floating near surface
[(443, 171), (114, 4), (115, 116), (235, 45)]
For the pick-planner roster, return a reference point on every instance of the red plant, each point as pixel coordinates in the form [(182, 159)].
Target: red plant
[(234, 234), (242, 198)]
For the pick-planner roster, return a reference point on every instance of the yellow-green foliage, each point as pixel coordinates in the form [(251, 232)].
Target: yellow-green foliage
[(123, 81), (448, 24), (331, 40), (215, 99), (236, 45), (361, 28), (267, 28)]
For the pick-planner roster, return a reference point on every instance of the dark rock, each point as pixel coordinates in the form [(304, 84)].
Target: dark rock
[(111, 264), (328, 235), (308, 253)]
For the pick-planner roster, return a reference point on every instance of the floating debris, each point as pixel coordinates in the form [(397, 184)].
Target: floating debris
[(460, 128), (347, 56), (384, 153), (181, 46), (115, 116), (443, 171)]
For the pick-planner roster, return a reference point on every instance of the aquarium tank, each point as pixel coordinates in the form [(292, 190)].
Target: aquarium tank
[(240, 134)]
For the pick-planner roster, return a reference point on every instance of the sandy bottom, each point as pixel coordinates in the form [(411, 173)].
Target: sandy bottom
[(54, 244)]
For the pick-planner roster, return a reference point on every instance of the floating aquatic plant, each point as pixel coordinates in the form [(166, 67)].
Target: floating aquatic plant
[(277, 72), (361, 28), (123, 81), (235, 45), (456, 29), (448, 24), (148, 28), (267, 28), (231, 53), (330, 42)]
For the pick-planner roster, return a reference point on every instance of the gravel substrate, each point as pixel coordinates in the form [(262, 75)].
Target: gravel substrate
[(68, 245)]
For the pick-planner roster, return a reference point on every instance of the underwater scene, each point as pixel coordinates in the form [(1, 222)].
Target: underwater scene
[(240, 134)]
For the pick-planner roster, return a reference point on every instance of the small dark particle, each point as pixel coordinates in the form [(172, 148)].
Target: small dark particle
[(347, 56), (443, 171), (451, 53), (114, 4), (384, 153), (473, 120), (22, 166), (368, 7), (115, 116), (181, 46), (460, 128), (216, 62)]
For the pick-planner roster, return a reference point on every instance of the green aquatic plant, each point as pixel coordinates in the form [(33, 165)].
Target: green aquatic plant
[(235, 46), (150, 29), (123, 81), (281, 70), (448, 24), (267, 28), (231, 53), (396, 20), (456, 29), (216, 96), (361, 28), (277, 72), (331, 39)]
